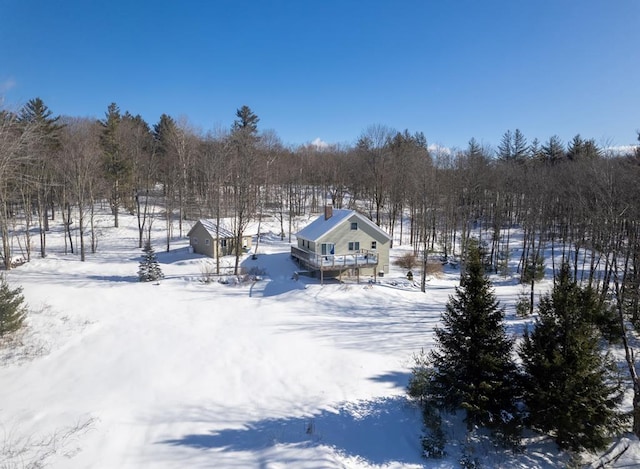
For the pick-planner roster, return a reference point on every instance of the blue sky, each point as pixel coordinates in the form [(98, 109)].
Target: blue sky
[(329, 69)]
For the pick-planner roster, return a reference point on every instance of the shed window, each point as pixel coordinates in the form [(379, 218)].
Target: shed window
[(206, 241), (354, 225), (194, 241), (223, 243)]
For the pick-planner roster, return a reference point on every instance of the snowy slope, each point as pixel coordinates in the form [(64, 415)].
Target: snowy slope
[(269, 373)]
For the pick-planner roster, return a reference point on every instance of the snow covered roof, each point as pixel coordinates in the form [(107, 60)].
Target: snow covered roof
[(210, 226), (321, 225)]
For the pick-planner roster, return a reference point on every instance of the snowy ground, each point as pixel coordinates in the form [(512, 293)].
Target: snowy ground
[(271, 373)]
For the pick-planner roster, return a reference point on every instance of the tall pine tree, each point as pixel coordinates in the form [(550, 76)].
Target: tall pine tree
[(41, 163), (472, 364), (572, 389), (117, 165)]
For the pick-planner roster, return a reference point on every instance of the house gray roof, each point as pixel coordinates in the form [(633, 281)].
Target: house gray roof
[(210, 226), (321, 226)]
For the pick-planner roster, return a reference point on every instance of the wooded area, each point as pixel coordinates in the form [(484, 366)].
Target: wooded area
[(580, 202)]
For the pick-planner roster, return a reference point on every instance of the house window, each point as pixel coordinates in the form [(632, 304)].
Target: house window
[(195, 241), (354, 225), (354, 246), (327, 249), (206, 241), (223, 243), (374, 245)]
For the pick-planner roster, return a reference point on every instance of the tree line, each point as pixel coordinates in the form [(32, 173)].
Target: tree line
[(580, 200)]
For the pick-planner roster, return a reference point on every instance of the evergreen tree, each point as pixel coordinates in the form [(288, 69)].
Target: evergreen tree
[(36, 112), (246, 120), (165, 137), (520, 148), (244, 137), (533, 269), (535, 150), (474, 151), (12, 308), (553, 151), (472, 364), (572, 390), (505, 148), (117, 166), (579, 149), (164, 133), (513, 147), (36, 116), (149, 270)]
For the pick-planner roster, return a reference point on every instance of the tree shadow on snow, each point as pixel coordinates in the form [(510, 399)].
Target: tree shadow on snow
[(361, 323), (381, 432), (176, 256), (398, 379), (115, 278)]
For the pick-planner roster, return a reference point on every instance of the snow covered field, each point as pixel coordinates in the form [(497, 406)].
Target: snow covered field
[(272, 373)]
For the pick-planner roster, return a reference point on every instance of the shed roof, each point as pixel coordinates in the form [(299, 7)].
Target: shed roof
[(210, 226)]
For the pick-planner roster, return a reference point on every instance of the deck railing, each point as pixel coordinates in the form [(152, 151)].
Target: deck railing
[(314, 261)]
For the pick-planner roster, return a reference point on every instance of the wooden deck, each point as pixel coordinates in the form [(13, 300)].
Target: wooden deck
[(333, 263)]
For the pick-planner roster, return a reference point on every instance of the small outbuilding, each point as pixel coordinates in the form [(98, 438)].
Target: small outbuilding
[(213, 240)]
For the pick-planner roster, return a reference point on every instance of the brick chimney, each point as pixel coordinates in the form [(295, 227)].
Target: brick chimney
[(328, 212)]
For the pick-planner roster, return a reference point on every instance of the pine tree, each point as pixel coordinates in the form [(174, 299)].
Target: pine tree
[(149, 270), (553, 151), (520, 148), (505, 148), (533, 269), (39, 171), (12, 308), (117, 165), (572, 389), (246, 120), (472, 364)]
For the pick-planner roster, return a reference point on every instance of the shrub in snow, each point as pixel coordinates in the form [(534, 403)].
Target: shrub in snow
[(533, 269), (433, 441), (523, 305), (149, 270), (208, 271), (12, 308), (407, 261), (467, 460)]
